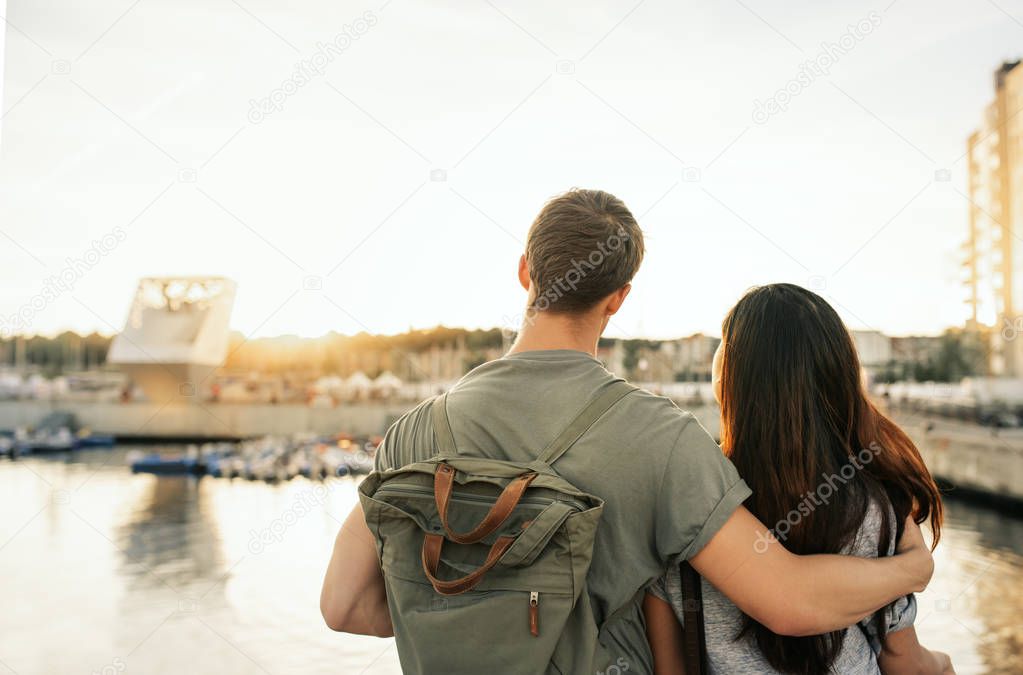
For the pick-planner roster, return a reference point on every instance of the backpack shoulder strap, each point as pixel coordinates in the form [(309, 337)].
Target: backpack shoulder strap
[(584, 420), (442, 427), (693, 638)]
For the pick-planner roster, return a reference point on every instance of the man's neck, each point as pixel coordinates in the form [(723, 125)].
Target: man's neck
[(544, 331)]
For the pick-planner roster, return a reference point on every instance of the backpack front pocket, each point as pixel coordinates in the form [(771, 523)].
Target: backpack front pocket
[(438, 631)]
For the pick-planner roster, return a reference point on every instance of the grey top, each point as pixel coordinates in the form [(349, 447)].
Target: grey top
[(723, 620), (667, 487)]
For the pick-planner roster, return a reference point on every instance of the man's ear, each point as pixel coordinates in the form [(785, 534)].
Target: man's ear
[(615, 300), (524, 272)]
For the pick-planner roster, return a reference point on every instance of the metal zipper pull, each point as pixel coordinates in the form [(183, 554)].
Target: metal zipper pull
[(534, 613)]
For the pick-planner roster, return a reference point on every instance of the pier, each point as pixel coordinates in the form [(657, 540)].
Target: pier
[(977, 461), (207, 421)]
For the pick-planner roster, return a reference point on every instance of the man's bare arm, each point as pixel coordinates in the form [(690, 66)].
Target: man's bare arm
[(664, 634), (807, 595), (353, 599)]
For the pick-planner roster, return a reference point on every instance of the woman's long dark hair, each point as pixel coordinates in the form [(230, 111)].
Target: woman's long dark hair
[(795, 417)]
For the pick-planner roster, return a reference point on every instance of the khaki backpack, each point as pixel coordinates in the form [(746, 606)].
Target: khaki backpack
[(485, 560)]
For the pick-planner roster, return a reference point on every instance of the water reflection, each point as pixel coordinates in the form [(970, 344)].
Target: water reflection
[(171, 535), (105, 571), (974, 604)]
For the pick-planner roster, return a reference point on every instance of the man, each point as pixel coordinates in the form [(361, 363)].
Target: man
[(670, 493)]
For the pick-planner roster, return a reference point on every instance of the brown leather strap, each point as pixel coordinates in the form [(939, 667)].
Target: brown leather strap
[(443, 483), (694, 646), (432, 545)]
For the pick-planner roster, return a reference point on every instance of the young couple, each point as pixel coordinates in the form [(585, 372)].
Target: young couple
[(802, 524)]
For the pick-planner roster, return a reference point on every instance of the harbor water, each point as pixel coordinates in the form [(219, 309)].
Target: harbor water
[(105, 571)]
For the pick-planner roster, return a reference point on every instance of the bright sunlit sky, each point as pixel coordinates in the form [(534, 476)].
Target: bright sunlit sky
[(136, 115)]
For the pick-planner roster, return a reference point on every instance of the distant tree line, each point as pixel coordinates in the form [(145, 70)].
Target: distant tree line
[(960, 353), (332, 353), (52, 356), (371, 354)]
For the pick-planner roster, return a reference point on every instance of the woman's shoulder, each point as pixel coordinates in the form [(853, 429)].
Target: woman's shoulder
[(878, 516)]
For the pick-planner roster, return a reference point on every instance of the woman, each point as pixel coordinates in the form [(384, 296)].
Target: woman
[(829, 473)]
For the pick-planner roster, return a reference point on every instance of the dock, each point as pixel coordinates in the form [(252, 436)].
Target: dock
[(172, 422), (976, 461)]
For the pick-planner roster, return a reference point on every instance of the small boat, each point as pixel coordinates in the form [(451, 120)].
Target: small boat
[(214, 466), (60, 432), (294, 464), (232, 467), (47, 440), (87, 439), (356, 464), (165, 464), (10, 446), (271, 459)]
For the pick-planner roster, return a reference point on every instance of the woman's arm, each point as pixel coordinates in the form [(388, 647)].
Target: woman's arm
[(812, 594), (902, 654), (665, 636)]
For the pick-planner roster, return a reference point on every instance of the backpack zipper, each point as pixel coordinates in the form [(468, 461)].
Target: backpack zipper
[(384, 489), (534, 613)]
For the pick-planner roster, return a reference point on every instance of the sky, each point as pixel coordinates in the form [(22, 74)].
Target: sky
[(375, 165)]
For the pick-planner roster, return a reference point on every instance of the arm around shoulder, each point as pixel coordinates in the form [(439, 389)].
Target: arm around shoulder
[(805, 595)]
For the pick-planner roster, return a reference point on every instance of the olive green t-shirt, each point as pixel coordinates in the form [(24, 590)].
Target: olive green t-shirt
[(666, 485)]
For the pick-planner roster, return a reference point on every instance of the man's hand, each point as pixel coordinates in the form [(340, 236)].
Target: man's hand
[(943, 663), (902, 654), (916, 556)]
